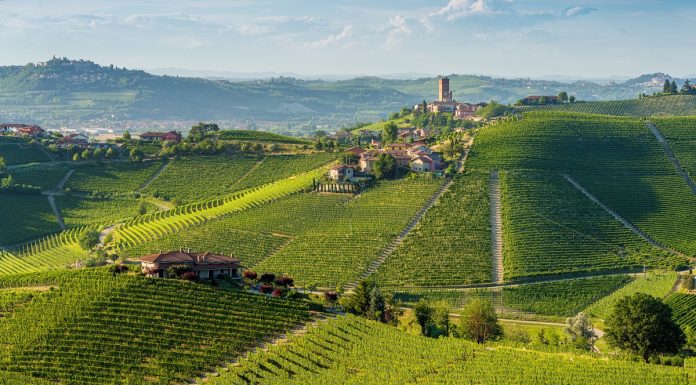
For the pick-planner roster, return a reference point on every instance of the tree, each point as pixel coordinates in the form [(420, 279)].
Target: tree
[(7, 182), (572, 98), (110, 153), (201, 130), (390, 133), (424, 316), (126, 135), (579, 330), (667, 87), (385, 166), (142, 208), (136, 155), (563, 97), (86, 154), (88, 239), (376, 310), (3, 165), (76, 157), (479, 322), (359, 301), (673, 87), (542, 100), (441, 316), (98, 154), (643, 325)]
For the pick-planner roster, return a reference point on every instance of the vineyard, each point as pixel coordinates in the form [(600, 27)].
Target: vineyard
[(80, 211), (103, 328), (187, 180), (52, 252), (657, 284), (25, 217), (21, 152), (276, 167), (40, 176), (677, 105), (555, 299), (150, 227), (450, 245), (683, 308), (112, 177), (351, 350), (551, 228), (259, 136), (681, 135)]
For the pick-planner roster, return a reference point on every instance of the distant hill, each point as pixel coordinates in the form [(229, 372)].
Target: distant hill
[(63, 92)]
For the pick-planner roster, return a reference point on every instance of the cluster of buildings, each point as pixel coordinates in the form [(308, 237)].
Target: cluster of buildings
[(415, 156), (26, 130), (446, 103)]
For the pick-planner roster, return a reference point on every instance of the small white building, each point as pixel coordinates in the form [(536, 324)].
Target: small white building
[(341, 172)]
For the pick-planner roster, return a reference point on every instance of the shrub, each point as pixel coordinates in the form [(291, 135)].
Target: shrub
[(266, 289), (189, 276), (277, 293), (178, 270), (285, 281), (267, 277), (250, 275), (331, 297)]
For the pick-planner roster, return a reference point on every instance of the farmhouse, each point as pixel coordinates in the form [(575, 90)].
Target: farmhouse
[(341, 172), (355, 151), (171, 136), (205, 265), (540, 99), (30, 130), (73, 140), (416, 156)]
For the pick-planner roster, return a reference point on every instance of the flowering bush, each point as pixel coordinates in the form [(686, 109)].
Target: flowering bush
[(285, 281), (250, 275), (266, 289), (277, 293)]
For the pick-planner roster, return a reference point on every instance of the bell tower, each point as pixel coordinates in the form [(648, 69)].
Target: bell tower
[(444, 93)]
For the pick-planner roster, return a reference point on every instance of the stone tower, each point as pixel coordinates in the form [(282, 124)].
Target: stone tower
[(444, 95)]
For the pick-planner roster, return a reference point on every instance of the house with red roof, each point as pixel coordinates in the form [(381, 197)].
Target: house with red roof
[(205, 265), (171, 136), (79, 140), (30, 130)]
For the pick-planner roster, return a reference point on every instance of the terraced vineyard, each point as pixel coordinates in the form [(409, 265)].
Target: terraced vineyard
[(21, 152), (112, 177), (683, 308), (657, 284), (678, 105), (276, 167), (150, 227), (350, 350), (551, 227), (52, 252), (188, 180), (681, 135), (216, 236), (451, 242), (167, 331), (25, 217)]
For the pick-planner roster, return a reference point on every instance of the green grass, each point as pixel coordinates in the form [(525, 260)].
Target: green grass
[(351, 350), (112, 177), (451, 243), (97, 328), (188, 180), (657, 284), (25, 217), (549, 227)]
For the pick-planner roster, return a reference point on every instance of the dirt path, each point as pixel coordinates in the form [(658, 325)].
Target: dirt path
[(618, 217), (670, 154), (56, 210), (61, 185), (400, 238), (496, 228), (104, 233), (154, 176)]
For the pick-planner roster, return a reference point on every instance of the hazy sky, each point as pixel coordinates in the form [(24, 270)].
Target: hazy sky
[(500, 37)]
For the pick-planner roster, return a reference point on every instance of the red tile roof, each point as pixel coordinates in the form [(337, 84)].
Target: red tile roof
[(173, 257)]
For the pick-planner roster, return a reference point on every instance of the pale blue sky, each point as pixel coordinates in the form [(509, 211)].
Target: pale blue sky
[(499, 37)]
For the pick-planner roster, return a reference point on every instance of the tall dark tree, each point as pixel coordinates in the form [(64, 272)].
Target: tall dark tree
[(667, 87), (673, 87), (424, 315), (563, 97), (390, 133), (643, 325)]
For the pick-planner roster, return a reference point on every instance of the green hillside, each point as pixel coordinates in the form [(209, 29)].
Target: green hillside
[(677, 105), (97, 328), (350, 350)]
